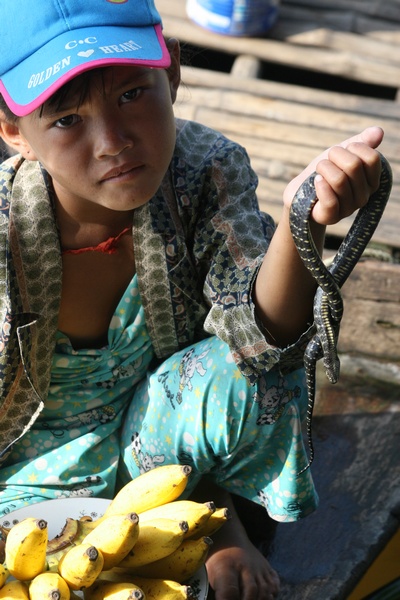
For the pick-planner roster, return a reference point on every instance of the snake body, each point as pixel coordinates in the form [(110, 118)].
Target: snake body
[(328, 302)]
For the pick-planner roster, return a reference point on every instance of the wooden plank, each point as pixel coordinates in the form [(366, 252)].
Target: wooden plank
[(326, 121), (298, 105), (378, 29), (374, 280), (371, 320), (322, 37), (375, 20), (341, 63), (300, 142), (358, 105), (386, 9), (371, 329), (246, 66), (310, 17)]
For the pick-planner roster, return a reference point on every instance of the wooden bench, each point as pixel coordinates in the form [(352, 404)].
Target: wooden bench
[(327, 70)]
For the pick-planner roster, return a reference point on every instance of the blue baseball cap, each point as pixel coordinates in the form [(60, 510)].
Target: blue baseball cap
[(48, 42)]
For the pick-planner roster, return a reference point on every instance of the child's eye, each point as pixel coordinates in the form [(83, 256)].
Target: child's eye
[(131, 94), (67, 121)]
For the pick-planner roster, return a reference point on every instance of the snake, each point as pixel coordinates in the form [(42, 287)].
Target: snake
[(328, 300)]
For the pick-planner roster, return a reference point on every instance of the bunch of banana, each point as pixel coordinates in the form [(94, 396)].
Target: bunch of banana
[(144, 547)]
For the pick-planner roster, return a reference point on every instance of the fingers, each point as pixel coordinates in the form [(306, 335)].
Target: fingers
[(369, 138), (250, 586), (234, 575), (346, 179)]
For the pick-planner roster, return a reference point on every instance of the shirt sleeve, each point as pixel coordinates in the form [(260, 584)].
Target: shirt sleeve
[(231, 236)]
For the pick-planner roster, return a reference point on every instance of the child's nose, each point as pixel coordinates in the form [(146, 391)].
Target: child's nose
[(111, 138)]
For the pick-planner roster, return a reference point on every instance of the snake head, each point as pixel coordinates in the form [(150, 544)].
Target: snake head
[(332, 368)]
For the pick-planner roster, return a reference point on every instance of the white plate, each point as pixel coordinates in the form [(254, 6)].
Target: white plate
[(55, 512)]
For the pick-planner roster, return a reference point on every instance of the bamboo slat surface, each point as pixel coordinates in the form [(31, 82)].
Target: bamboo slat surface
[(284, 124)]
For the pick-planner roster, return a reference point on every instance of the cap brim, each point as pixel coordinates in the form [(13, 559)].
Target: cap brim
[(33, 81)]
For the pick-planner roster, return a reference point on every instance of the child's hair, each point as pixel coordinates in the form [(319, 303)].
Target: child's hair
[(5, 112), (79, 85)]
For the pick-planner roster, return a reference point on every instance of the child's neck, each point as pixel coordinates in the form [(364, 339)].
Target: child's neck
[(89, 225)]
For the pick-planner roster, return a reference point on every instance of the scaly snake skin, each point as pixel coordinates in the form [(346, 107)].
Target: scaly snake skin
[(328, 302)]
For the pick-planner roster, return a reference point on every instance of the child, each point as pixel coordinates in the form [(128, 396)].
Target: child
[(149, 312)]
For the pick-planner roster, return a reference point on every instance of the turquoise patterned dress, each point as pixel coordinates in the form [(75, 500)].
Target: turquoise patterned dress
[(108, 412), (73, 448)]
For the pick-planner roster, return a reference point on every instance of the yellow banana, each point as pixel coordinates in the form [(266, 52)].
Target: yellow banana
[(49, 586), (107, 590), (181, 564), (80, 566), (153, 488), (25, 551), (194, 513), (14, 590), (157, 538), (65, 538), (114, 538), (154, 589), (4, 573), (214, 523)]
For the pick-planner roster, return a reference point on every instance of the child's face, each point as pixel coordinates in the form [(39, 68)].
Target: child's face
[(114, 149)]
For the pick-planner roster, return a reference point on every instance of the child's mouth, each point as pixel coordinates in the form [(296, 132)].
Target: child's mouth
[(121, 173)]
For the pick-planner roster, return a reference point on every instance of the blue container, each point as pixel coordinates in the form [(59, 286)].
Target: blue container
[(234, 17)]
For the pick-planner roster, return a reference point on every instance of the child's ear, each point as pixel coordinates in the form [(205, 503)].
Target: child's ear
[(13, 137), (174, 71)]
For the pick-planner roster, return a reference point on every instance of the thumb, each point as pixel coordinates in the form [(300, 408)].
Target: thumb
[(372, 136)]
